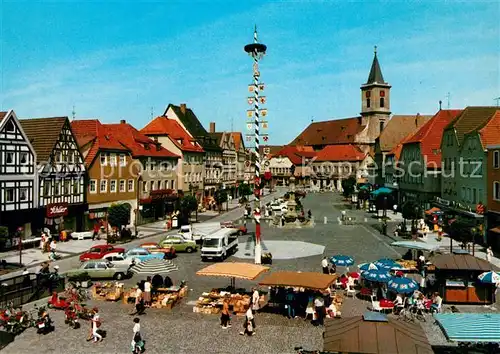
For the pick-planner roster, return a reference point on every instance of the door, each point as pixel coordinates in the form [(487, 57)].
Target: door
[(102, 271)]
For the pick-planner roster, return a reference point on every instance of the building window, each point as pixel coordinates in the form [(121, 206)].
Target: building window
[(67, 186), (23, 194), (382, 93), (46, 188), (152, 186), (123, 160), (368, 103), (130, 185), (9, 158), (474, 195), (382, 102), (144, 187), (112, 160), (57, 188), (76, 187), (59, 156), (122, 186), (159, 185), (9, 195), (23, 158), (104, 159), (496, 159), (112, 186), (71, 157), (165, 183), (9, 127), (93, 186), (104, 186), (76, 157), (496, 190)]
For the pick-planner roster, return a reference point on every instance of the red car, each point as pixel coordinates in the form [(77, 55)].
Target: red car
[(99, 251), (242, 229)]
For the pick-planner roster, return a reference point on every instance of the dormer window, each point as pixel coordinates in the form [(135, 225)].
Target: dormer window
[(179, 141), (9, 127)]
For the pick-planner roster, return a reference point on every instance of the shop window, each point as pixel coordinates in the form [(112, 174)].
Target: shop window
[(9, 158), (130, 185), (496, 159), (496, 190), (23, 194), (93, 186), (112, 186), (122, 186), (23, 158), (9, 195)]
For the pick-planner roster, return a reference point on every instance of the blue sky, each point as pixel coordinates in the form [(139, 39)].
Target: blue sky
[(115, 60)]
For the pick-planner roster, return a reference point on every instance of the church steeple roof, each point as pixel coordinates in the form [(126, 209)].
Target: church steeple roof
[(375, 76)]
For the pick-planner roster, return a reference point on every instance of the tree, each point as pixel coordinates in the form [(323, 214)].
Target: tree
[(188, 204), (411, 210), (462, 230), (119, 215), (348, 186), (220, 197), (244, 189), (4, 236)]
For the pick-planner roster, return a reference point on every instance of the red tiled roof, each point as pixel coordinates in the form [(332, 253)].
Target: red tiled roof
[(2, 115), (138, 143), (430, 134), (238, 139), (490, 133), (339, 131), (346, 152), (398, 128), (92, 131), (170, 127), (296, 153), (471, 119)]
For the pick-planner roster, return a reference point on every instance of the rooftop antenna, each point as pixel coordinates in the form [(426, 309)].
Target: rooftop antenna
[(73, 113), (497, 100), (448, 97), (152, 112), (312, 119), (440, 104), (232, 124)]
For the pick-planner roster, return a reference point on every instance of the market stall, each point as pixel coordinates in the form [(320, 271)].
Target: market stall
[(161, 297), (211, 302), (110, 291), (457, 278)]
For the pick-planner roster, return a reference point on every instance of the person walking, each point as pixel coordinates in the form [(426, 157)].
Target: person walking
[(137, 341), (255, 300), (96, 323), (489, 254), (290, 303), (225, 318), (249, 324), (324, 265), (95, 234), (147, 292), (319, 306), (139, 301), (395, 208)]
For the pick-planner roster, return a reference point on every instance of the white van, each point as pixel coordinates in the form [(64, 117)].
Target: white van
[(198, 232), (220, 244)]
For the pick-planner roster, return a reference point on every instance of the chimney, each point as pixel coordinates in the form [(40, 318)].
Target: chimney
[(416, 119), (440, 103), (123, 121), (212, 127), (183, 108)]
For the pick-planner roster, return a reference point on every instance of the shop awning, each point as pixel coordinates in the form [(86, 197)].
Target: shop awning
[(375, 334), (495, 230), (470, 327), (233, 270), (308, 280), (415, 245), (461, 262), (432, 210)]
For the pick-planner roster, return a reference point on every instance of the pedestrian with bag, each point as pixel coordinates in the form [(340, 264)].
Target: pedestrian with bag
[(138, 343), (249, 324)]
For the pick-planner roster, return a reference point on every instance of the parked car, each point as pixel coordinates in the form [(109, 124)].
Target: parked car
[(103, 269), (118, 259), (179, 243), (99, 251), (156, 248), (242, 229), (141, 254)]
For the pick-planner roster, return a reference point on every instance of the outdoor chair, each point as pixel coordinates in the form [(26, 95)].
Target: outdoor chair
[(398, 308), (375, 305), (350, 291), (365, 293)]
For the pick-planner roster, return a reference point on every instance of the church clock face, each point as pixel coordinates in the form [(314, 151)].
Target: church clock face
[(382, 93)]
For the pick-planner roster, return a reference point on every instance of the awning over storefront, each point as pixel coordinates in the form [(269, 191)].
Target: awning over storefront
[(307, 280), (461, 262), (376, 334), (470, 327), (233, 270)]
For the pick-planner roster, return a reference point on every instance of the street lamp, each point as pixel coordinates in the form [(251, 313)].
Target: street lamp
[(257, 51)]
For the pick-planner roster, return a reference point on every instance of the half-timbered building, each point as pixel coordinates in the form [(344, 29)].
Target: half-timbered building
[(18, 179), (61, 174)]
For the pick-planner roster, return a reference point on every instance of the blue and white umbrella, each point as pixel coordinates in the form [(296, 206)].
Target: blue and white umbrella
[(367, 266), (489, 277), (402, 285), (387, 264), (381, 276), (341, 260)]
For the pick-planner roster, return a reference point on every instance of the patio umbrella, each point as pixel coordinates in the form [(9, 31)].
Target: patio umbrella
[(154, 266), (489, 277), (367, 266), (341, 260), (402, 285), (380, 191), (387, 264), (381, 276), (415, 245)]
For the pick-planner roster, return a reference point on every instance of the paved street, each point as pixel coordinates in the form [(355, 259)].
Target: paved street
[(182, 331)]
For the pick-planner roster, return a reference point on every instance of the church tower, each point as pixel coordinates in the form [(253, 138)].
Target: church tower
[(375, 100)]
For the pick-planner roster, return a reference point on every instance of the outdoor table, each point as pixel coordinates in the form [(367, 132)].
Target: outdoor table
[(386, 304)]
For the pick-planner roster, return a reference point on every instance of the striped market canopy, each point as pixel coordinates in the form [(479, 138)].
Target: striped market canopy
[(154, 266), (470, 327)]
